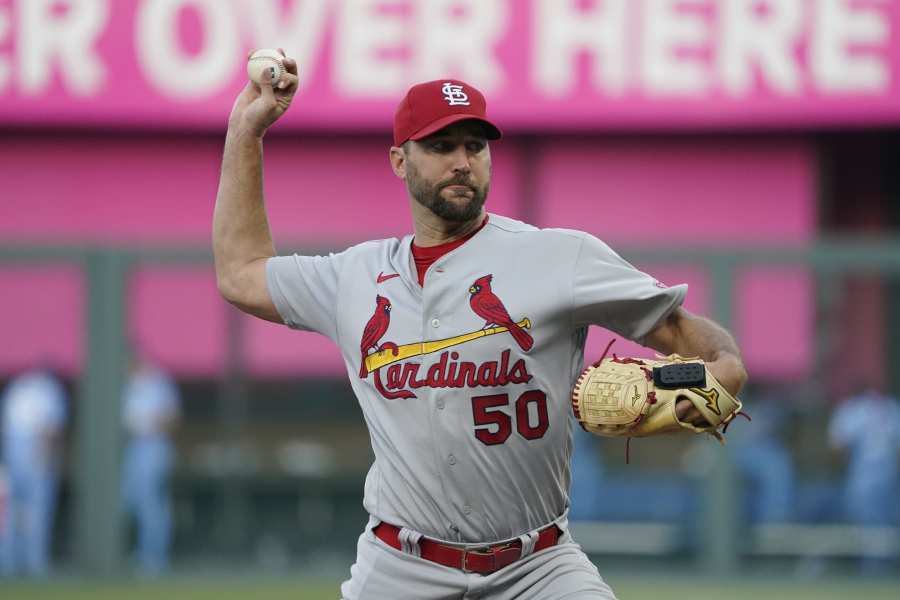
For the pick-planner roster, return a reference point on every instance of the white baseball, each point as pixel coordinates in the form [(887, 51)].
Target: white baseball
[(265, 66)]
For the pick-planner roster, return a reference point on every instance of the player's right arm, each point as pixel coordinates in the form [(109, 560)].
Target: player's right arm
[(242, 241)]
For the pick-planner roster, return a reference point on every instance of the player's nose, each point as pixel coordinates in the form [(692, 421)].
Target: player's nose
[(460, 160)]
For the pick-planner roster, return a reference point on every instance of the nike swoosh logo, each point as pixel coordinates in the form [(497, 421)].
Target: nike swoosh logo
[(382, 277)]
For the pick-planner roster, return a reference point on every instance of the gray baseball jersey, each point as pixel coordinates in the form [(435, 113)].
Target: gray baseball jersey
[(465, 384)]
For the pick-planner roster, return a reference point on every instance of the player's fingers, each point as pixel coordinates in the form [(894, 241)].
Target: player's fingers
[(288, 83), (693, 417), (281, 50), (290, 65), (267, 93), (682, 407), (686, 412)]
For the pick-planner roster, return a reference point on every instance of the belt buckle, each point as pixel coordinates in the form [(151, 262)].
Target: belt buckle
[(483, 551), (491, 551)]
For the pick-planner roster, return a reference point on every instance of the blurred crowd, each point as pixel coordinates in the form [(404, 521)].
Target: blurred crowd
[(35, 408)]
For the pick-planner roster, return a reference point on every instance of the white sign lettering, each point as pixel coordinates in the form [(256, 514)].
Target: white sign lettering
[(175, 73), (65, 36), (750, 39), (5, 29), (562, 31), (455, 38), (563, 58), (668, 33), (364, 33), (838, 26)]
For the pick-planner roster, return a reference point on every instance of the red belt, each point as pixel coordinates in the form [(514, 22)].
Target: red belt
[(483, 560)]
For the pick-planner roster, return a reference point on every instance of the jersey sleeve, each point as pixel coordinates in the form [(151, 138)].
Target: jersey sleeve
[(610, 292), (846, 425), (304, 289)]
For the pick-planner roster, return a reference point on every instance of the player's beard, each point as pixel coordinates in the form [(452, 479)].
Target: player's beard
[(429, 196)]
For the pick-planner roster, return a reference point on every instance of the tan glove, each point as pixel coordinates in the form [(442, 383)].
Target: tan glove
[(636, 397)]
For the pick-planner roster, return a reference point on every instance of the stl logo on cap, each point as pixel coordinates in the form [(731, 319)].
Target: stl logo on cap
[(454, 95)]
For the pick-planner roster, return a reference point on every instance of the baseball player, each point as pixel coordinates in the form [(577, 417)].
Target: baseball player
[(867, 427), (462, 342), (33, 413), (151, 411)]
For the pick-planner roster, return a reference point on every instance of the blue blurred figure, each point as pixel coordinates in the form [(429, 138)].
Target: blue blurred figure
[(34, 411), (587, 476), (867, 426), (150, 413), (763, 460)]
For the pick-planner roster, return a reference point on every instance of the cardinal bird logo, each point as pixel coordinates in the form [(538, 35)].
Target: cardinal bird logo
[(490, 308), (375, 330)]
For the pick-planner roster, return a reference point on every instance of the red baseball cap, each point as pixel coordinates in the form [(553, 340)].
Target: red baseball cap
[(429, 107)]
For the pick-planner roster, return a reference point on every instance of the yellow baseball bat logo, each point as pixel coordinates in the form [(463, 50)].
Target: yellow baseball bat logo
[(388, 356)]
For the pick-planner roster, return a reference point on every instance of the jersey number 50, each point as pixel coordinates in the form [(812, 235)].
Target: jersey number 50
[(486, 411)]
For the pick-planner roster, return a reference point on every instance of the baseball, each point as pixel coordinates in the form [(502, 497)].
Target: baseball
[(265, 66)]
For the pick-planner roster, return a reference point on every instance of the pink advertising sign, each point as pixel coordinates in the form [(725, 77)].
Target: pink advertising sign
[(544, 64)]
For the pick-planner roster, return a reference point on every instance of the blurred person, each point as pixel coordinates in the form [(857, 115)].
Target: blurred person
[(866, 426), (587, 476), (4, 500), (764, 460), (34, 411), (151, 411), (468, 492)]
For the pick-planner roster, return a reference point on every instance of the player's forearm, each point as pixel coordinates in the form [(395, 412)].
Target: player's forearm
[(692, 335), (697, 336), (241, 232)]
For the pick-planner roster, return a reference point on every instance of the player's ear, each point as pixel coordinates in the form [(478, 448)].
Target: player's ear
[(398, 161)]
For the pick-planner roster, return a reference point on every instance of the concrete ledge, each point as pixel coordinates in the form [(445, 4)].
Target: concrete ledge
[(599, 537), (824, 540)]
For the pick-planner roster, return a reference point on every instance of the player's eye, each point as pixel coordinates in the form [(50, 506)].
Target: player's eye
[(475, 147)]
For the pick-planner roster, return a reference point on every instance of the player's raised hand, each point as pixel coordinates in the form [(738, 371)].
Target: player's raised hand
[(259, 105)]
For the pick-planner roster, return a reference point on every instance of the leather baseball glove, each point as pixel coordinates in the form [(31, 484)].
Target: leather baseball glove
[(636, 397)]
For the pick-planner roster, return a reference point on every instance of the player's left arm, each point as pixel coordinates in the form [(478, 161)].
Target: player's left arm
[(688, 334)]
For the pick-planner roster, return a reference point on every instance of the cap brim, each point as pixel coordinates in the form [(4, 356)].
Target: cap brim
[(491, 131)]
